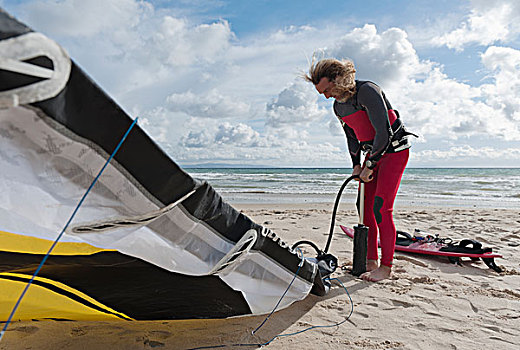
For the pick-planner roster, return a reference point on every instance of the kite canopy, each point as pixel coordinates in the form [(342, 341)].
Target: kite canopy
[(148, 243)]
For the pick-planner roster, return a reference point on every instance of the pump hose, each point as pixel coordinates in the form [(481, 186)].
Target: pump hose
[(332, 221), (336, 204)]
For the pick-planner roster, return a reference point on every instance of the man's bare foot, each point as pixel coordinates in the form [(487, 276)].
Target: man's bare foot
[(372, 265), (381, 273)]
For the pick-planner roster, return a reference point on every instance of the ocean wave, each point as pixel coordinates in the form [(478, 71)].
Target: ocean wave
[(463, 186)]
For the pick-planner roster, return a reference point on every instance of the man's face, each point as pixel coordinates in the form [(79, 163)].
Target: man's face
[(325, 87)]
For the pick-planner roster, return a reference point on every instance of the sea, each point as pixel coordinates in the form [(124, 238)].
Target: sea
[(456, 187)]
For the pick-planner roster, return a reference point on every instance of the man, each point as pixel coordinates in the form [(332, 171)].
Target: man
[(370, 125)]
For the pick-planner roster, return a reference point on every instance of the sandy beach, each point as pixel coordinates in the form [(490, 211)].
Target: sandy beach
[(428, 303)]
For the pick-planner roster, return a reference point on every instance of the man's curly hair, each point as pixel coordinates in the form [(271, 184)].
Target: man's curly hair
[(342, 73)]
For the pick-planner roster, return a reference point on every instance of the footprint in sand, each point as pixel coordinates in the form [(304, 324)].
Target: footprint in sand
[(160, 334), (77, 332), (402, 303), (473, 307), (399, 270), (500, 339), (424, 280), (421, 326), (433, 313), (153, 343), (493, 328), (26, 329), (411, 260), (372, 304)]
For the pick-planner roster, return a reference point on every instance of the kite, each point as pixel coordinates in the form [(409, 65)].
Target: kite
[(149, 242)]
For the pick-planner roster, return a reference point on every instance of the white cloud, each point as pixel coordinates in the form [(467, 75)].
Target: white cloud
[(287, 153), (129, 45), (502, 95), (431, 103), (437, 105), (489, 22), (295, 105), (157, 123), (132, 26), (239, 135), (184, 44), (440, 106), (212, 141), (211, 104), (197, 139), (467, 152), (261, 66), (199, 133), (288, 132), (199, 87), (386, 57), (85, 18)]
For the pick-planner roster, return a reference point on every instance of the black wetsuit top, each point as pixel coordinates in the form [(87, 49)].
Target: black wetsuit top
[(367, 119)]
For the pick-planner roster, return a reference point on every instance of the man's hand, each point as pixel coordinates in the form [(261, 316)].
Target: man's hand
[(356, 171), (366, 174)]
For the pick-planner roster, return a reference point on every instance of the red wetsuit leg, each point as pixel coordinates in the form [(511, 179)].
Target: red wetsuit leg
[(380, 195), (369, 219)]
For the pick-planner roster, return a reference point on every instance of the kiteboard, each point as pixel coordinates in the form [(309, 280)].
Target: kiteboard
[(434, 245)]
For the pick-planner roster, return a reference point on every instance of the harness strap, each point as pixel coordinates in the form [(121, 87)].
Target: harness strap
[(399, 141)]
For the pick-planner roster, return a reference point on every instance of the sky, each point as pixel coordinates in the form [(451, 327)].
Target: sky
[(218, 82)]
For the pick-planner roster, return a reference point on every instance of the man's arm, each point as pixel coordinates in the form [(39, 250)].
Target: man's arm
[(371, 98)]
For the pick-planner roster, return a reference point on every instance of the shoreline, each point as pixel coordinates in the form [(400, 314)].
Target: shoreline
[(449, 187), (265, 199)]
